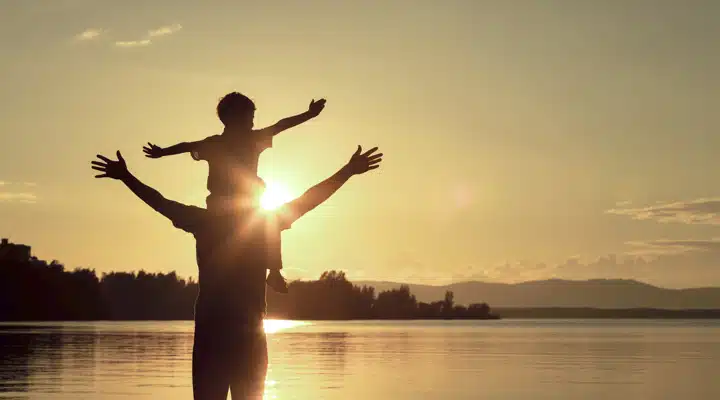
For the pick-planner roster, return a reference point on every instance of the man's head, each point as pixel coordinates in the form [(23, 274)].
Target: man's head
[(236, 111)]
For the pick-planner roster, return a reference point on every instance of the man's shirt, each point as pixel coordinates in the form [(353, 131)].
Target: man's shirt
[(233, 254)]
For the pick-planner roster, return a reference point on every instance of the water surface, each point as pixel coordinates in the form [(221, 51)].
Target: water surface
[(509, 359)]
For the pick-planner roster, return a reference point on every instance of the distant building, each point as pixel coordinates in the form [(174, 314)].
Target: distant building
[(13, 253)]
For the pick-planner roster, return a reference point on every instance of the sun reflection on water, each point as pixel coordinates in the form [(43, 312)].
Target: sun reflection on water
[(276, 325)]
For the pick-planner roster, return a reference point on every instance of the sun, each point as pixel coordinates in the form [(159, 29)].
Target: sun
[(274, 196)]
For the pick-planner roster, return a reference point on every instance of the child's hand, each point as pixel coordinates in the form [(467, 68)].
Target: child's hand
[(153, 151), (316, 107)]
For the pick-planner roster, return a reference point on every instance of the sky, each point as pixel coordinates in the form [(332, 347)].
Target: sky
[(522, 140)]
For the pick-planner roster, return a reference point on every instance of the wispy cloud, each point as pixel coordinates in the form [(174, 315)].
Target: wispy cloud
[(690, 262), (665, 262), (672, 263), (153, 33), (17, 192), (95, 33), (164, 30), (89, 34), (699, 211), (133, 43), (666, 246), (22, 197)]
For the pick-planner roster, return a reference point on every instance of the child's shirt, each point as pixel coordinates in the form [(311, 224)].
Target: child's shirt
[(232, 160)]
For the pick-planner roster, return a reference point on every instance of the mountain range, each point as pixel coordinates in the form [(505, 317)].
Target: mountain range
[(596, 293)]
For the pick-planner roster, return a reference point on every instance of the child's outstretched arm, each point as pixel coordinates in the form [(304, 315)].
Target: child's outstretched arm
[(286, 123), (154, 151)]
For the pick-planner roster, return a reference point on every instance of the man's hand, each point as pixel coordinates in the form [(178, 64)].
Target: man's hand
[(361, 163), (316, 107), (111, 169), (153, 151)]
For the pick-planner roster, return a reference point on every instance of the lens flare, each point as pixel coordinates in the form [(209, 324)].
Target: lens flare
[(274, 196)]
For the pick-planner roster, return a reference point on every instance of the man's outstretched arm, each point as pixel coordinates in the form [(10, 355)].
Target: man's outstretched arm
[(176, 212), (359, 163)]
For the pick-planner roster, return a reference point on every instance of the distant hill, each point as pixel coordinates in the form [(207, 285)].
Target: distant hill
[(597, 293)]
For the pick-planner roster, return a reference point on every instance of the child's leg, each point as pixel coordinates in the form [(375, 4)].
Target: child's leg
[(276, 281), (217, 203)]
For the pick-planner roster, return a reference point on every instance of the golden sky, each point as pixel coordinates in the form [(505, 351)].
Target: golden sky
[(523, 140)]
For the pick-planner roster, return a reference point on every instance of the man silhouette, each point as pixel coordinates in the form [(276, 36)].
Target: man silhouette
[(233, 250)]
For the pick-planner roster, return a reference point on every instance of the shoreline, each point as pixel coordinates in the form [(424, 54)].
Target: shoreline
[(500, 314)]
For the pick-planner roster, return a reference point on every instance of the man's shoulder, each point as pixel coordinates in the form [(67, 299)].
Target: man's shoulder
[(187, 217), (195, 211)]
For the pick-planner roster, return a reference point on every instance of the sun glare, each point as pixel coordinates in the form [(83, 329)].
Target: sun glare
[(274, 196), (275, 325)]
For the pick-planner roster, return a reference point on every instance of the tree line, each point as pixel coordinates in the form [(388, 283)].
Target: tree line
[(42, 291)]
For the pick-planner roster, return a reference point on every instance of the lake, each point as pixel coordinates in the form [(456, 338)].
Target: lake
[(379, 360)]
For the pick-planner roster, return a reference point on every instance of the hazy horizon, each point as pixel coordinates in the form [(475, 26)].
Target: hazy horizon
[(523, 141), (442, 285)]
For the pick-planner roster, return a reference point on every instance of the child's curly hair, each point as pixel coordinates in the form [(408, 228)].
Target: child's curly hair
[(232, 105)]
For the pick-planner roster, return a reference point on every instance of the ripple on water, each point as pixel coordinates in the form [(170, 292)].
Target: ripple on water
[(379, 360)]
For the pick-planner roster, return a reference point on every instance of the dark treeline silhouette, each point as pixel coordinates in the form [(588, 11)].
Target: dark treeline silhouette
[(36, 290), (333, 296)]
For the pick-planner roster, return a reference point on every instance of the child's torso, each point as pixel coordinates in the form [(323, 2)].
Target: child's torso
[(233, 163)]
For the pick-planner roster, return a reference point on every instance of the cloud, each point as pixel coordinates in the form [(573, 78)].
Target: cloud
[(164, 30), (21, 197), (670, 263), (93, 33), (700, 211), (133, 43), (667, 263), (666, 247), (12, 193), (518, 271), (89, 34)]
